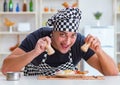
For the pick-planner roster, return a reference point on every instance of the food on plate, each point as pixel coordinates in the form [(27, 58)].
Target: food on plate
[(70, 72), (65, 72), (80, 72)]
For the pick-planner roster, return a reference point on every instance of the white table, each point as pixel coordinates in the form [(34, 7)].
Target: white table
[(109, 80)]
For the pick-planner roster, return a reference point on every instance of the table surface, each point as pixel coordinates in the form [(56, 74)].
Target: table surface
[(32, 80)]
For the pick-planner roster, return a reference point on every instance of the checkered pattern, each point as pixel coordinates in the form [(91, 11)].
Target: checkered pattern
[(66, 20), (45, 69)]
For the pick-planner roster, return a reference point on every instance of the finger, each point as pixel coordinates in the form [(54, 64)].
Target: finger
[(87, 37), (47, 39), (90, 38), (42, 43), (95, 43)]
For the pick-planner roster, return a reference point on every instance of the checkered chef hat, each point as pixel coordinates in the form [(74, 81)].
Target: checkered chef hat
[(67, 19)]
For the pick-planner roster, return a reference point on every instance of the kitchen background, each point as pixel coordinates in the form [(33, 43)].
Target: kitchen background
[(27, 17)]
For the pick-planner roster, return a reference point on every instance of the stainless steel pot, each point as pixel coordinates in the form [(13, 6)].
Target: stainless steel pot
[(13, 76)]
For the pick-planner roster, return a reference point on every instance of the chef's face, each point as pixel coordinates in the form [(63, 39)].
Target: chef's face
[(63, 41)]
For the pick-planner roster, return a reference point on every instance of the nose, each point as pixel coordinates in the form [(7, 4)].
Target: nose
[(68, 41)]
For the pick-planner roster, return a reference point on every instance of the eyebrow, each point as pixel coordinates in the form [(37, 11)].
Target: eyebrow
[(63, 32), (66, 32)]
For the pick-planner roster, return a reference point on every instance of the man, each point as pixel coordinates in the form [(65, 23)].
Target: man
[(66, 42)]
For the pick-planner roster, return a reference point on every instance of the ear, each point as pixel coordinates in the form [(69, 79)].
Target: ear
[(51, 34)]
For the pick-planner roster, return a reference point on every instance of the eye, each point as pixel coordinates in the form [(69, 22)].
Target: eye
[(62, 35), (73, 35)]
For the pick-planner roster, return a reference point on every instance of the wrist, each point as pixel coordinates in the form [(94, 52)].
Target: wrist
[(35, 53), (99, 51)]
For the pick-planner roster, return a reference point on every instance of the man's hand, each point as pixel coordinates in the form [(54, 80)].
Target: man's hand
[(93, 42), (41, 44), (44, 44)]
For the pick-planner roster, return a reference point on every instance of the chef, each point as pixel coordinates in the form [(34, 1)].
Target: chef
[(58, 47)]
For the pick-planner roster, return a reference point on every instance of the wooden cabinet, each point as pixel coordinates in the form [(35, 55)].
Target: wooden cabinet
[(8, 36)]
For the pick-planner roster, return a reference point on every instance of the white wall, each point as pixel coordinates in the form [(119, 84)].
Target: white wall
[(88, 7)]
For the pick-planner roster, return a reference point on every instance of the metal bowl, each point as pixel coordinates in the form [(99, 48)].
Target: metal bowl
[(13, 76)]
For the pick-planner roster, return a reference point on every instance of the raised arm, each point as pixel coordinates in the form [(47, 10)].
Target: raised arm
[(101, 60), (18, 59)]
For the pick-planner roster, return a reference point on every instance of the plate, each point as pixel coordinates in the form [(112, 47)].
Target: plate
[(68, 76)]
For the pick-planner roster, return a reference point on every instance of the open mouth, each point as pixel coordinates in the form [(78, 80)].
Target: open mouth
[(65, 47)]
